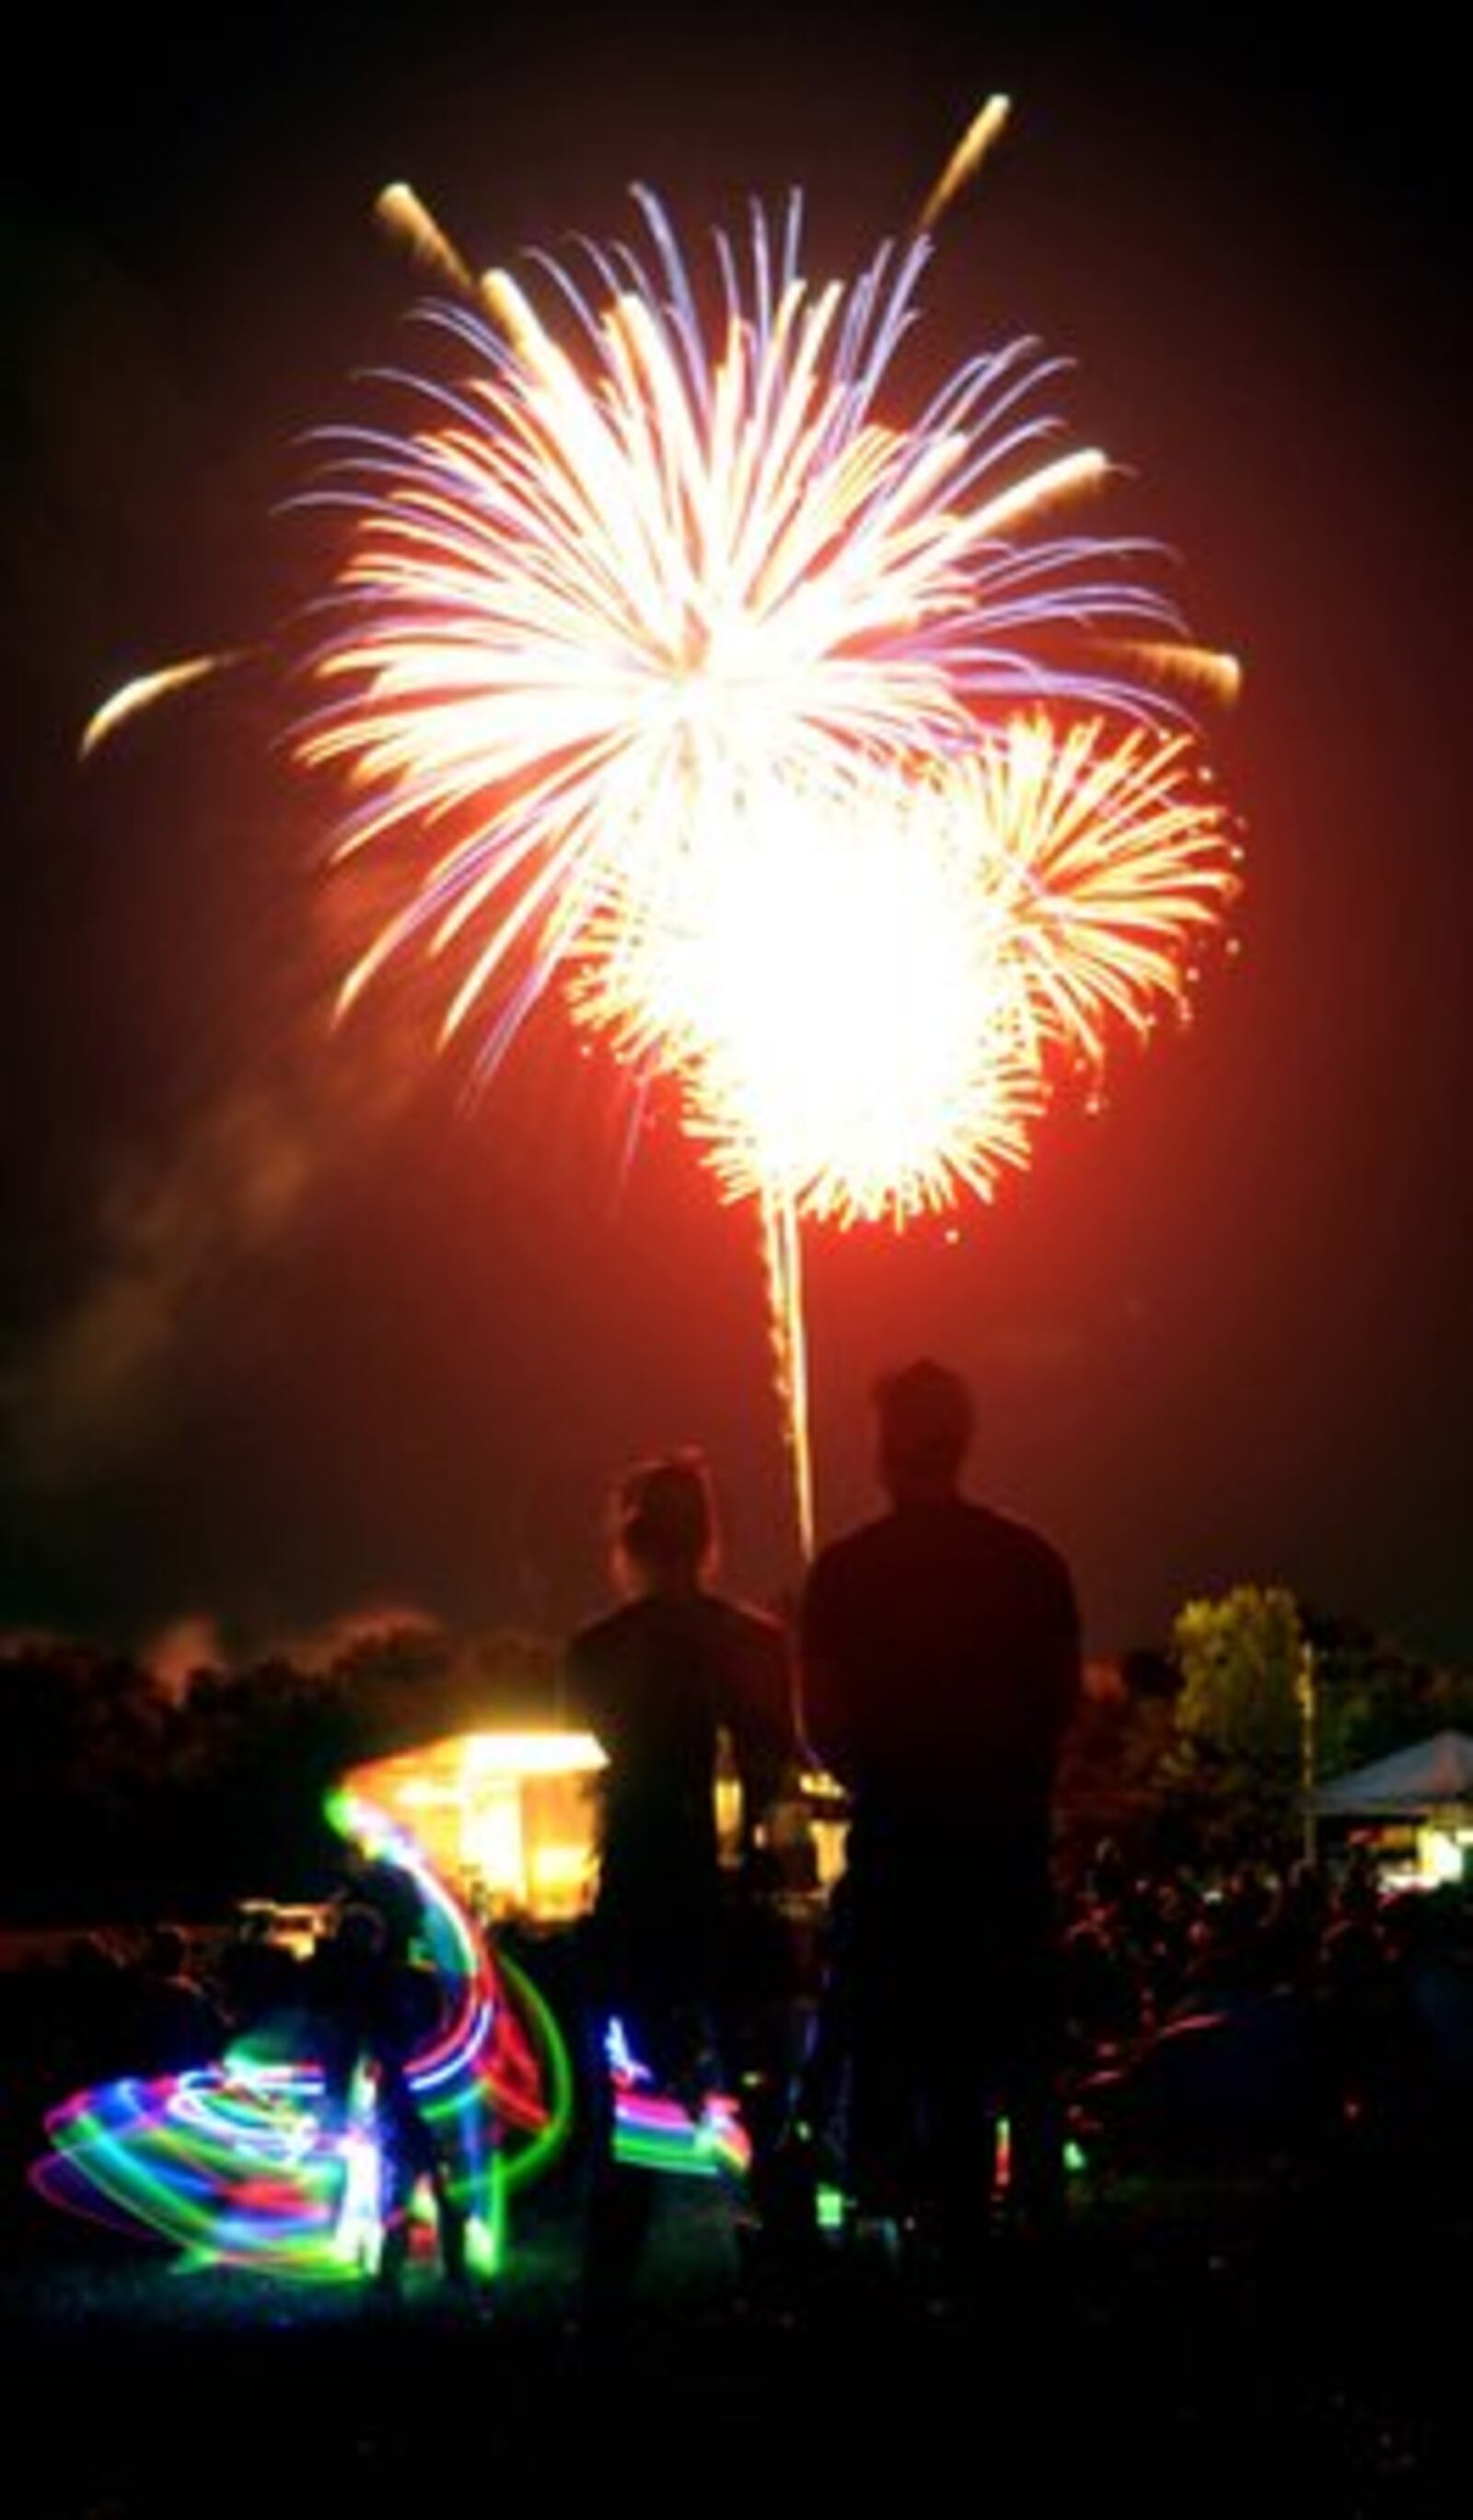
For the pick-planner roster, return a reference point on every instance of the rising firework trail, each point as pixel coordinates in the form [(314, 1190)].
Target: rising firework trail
[(789, 737)]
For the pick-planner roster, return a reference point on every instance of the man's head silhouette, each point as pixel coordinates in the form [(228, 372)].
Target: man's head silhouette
[(925, 1417)]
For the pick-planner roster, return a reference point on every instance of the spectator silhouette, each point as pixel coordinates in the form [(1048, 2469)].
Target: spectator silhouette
[(178, 2023), (940, 1666), (658, 1680), (377, 2007)]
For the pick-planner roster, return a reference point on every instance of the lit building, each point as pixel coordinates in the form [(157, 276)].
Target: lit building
[(510, 1817)]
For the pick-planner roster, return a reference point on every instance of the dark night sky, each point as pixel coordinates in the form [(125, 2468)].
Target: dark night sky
[(287, 1331)]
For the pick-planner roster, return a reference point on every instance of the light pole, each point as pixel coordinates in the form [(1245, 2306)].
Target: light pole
[(1305, 1694)]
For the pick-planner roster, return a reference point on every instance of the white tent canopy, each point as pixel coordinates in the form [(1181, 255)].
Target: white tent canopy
[(1411, 1783)]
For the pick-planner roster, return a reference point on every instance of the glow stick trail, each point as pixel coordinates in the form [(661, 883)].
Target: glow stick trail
[(241, 2162), (651, 2130)]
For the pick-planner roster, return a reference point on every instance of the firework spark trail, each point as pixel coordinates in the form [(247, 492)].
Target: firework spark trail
[(568, 594), (861, 1009), (823, 776), (980, 133), (144, 689), (670, 665)]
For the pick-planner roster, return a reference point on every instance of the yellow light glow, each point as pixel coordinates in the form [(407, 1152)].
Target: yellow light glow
[(858, 987), (560, 1880), (531, 1754), (512, 1812), (1441, 1854), (492, 1839)]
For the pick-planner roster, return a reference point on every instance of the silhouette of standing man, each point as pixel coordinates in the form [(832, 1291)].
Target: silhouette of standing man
[(939, 1651)]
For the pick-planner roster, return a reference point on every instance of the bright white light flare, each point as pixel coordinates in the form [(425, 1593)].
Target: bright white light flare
[(864, 997)]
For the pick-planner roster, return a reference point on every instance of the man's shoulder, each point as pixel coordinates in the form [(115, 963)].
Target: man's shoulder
[(961, 1522), (961, 1553), (851, 1547), (1009, 1532)]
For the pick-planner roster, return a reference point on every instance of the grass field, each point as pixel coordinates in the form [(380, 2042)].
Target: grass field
[(1191, 2346)]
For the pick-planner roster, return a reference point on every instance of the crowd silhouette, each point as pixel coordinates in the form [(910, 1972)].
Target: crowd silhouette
[(935, 2042)]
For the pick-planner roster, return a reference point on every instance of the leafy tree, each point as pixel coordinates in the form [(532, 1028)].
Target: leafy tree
[(1241, 1715), (407, 1686), (1449, 1703), (1374, 1696), (88, 1736), (1113, 1774)]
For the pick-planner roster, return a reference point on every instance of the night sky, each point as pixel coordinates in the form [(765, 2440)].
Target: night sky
[(288, 1330)]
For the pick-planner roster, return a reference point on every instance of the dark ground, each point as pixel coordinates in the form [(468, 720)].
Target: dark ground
[(1195, 2345)]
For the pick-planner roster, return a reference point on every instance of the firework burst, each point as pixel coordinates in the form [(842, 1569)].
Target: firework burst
[(606, 594), (674, 665)]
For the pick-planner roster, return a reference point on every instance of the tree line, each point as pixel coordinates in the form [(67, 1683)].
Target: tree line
[(123, 1799)]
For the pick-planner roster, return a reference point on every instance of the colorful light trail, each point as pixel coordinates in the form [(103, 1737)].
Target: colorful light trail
[(245, 2163)]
